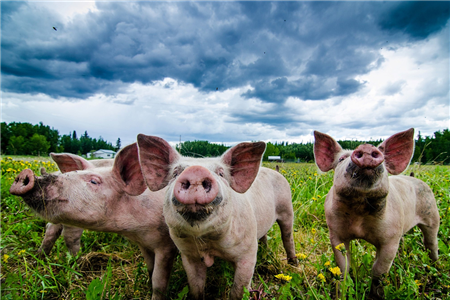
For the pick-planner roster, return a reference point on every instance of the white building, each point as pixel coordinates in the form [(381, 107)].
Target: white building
[(102, 153), (274, 158)]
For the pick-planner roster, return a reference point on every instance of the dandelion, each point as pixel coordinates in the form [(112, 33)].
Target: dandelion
[(327, 264), (313, 231), (5, 258), (286, 278), (21, 252), (418, 283), (311, 240), (310, 177), (318, 196), (301, 256), (341, 247), (336, 271), (315, 174), (314, 199), (321, 277)]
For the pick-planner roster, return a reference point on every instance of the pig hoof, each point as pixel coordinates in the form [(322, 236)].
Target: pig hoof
[(376, 290), (293, 261)]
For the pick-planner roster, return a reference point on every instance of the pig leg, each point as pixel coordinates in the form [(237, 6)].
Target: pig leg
[(286, 225), (149, 258), (243, 276), (383, 261), (196, 274), (430, 239), (72, 237), (52, 233), (161, 272)]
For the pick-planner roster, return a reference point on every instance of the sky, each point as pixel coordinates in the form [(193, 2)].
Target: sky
[(227, 72)]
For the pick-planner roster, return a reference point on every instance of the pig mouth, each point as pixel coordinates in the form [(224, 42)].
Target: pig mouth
[(37, 197), (193, 213), (364, 177)]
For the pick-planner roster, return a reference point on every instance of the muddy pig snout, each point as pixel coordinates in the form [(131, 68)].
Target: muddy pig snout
[(367, 156), (196, 185), (23, 183)]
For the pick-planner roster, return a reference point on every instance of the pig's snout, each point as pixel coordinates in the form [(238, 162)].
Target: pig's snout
[(367, 156), (196, 185), (23, 183)]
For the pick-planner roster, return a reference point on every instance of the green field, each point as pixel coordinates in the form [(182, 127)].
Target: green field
[(110, 267)]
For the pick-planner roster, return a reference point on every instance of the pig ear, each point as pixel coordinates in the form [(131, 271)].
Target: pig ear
[(244, 160), (128, 171), (325, 150), (398, 151), (70, 162), (155, 156)]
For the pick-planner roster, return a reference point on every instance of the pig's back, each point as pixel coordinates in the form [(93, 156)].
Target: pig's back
[(270, 196)]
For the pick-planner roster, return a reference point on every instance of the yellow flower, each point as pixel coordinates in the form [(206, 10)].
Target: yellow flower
[(315, 174), (327, 264), (5, 257), (311, 240), (301, 256), (314, 198), (318, 196), (336, 271), (417, 282), (21, 252), (341, 247), (321, 277), (309, 177), (313, 231), (284, 277)]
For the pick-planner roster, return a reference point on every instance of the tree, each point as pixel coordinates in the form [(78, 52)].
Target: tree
[(118, 144), (16, 145), (38, 145)]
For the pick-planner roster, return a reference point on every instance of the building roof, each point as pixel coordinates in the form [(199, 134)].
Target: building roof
[(104, 151)]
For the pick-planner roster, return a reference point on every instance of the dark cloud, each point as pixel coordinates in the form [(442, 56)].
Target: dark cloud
[(310, 50), (418, 19)]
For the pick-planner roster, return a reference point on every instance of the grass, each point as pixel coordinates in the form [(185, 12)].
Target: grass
[(110, 267)]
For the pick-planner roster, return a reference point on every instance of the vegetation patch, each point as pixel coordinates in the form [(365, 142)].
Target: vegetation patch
[(110, 267)]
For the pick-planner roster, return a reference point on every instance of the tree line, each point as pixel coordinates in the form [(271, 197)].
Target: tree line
[(428, 150), (27, 139)]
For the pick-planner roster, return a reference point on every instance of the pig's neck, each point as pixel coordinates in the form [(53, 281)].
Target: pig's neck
[(130, 216), (355, 201)]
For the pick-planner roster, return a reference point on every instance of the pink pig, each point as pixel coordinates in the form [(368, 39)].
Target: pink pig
[(68, 162), (218, 207), (364, 203), (109, 199)]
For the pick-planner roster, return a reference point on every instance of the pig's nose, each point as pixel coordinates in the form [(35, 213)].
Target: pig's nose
[(23, 183), (196, 185), (367, 156)]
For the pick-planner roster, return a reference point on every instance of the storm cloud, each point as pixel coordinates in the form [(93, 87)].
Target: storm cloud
[(268, 51)]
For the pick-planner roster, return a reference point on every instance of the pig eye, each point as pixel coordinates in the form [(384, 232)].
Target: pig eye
[(342, 158), (93, 181)]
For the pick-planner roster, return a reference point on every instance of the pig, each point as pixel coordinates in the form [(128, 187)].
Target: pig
[(218, 207), (109, 199), (364, 203), (72, 235)]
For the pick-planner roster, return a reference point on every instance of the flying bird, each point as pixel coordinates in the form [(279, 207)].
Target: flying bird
[(55, 29)]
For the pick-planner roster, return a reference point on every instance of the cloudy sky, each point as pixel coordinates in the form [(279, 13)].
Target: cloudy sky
[(226, 71)]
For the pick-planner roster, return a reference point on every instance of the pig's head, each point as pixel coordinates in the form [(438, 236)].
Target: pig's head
[(83, 192), (198, 187), (364, 170)]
